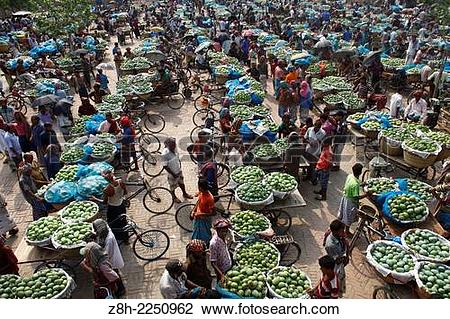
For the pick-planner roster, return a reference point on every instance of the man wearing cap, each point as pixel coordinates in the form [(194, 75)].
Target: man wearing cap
[(417, 108), (174, 282), (6, 111), (219, 255)]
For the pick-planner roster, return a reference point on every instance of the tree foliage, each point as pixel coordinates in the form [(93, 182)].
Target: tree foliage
[(60, 17)]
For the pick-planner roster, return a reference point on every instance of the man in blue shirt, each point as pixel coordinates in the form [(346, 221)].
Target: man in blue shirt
[(103, 80)]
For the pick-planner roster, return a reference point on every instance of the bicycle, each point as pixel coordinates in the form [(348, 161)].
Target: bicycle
[(154, 123), (157, 200), (279, 219), (149, 244), (370, 225)]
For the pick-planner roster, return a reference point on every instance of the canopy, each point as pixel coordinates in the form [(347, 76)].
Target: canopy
[(45, 100)]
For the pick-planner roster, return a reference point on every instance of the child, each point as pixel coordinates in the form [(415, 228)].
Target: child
[(328, 287), (203, 212), (287, 126), (323, 169)]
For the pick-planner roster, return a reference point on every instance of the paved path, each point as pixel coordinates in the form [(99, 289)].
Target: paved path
[(142, 279)]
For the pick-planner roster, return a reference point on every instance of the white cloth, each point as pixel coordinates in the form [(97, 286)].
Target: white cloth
[(12, 142), (170, 287), (114, 254), (171, 161), (3, 145), (6, 221), (314, 139), (396, 105), (104, 127), (435, 77), (416, 108), (425, 73)]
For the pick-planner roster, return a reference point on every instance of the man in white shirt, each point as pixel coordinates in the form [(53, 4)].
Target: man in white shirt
[(174, 282), (436, 81), (413, 46), (396, 105), (172, 164), (417, 108), (425, 73), (314, 136)]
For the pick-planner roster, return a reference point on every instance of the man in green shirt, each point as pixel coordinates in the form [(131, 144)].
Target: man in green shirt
[(350, 198)]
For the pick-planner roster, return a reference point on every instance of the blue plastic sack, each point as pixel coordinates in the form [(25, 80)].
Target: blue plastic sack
[(93, 169), (256, 99), (386, 210), (61, 192), (444, 219), (403, 184), (225, 293), (380, 199), (362, 121), (91, 186)]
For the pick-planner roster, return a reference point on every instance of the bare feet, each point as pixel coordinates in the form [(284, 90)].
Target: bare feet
[(187, 196)]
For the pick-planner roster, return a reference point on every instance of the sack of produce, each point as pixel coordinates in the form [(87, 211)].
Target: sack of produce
[(281, 184), (288, 282), (60, 192), (82, 211), (72, 154), (420, 152), (245, 282), (380, 185), (253, 195), (248, 222), (433, 280), (391, 140), (91, 186), (258, 254), (266, 152), (94, 169), (67, 173), (103, 150), (243, 112), (281, 144), (392, 261), (443, 139), (405, 208), (72, 236), (242, 97), (421, 189), (246, 174), (52, 283), (357, 119), (7, 283), (39, 232), (371, 128), (427, 245)]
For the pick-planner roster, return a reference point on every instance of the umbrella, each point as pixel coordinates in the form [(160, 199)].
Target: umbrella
[(105, 66), (323, 44), (155, 56), (64, 103), (156, 29), (80, 52), (371, 57), (247, 33), (203, 46), (21, 13), (300, 55), (45, 100)]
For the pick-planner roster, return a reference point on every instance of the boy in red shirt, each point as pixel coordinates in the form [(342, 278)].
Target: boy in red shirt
[(323, 166), (328, 287)]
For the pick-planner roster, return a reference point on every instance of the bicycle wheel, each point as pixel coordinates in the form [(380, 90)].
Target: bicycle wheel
[(200, 103), (16, 103), (196, 89), (183, 217), (158, 200), (175, 101), (149, 142), (223, 175), (290, 254), (383, 292), (280, 221), (200, 116), (151, 165), (154, 123), (151, 245)]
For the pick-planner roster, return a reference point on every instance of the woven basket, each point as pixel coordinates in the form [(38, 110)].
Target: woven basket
[(417, 161), (444, 154), (370, 134), (388, 149)]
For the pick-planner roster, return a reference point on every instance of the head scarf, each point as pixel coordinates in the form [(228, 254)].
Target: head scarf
[(224, 112), (102, 230), (126, 122), (196, 246), (94, 254), (221, 223), (304, 89)]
